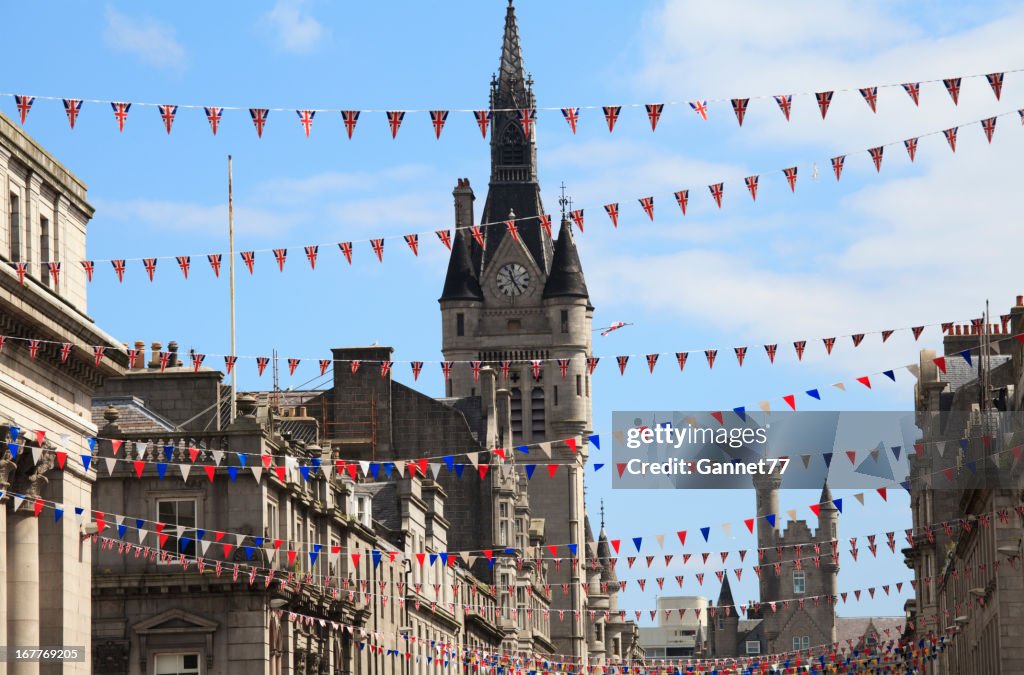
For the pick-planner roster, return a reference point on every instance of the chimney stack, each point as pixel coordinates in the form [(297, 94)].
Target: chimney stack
[(464, 198)]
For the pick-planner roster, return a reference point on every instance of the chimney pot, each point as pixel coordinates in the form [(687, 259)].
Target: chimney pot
[(1020, 300), (156, 347)]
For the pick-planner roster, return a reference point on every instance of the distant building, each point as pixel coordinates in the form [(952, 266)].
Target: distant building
[(680, 631), (45, 572)]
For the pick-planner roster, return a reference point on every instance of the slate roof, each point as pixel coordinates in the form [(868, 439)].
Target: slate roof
[(132, 415)]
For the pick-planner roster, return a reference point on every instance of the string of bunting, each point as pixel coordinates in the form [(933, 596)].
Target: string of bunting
[(527, 117), (479, 232)]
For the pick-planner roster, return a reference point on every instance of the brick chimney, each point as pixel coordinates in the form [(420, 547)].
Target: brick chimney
[(464, 198)]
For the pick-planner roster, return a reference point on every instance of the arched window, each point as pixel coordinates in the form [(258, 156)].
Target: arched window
[(513, 147), (537, 422)]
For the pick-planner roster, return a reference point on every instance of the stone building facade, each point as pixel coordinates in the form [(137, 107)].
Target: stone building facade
[(45, 570), (969, 577)]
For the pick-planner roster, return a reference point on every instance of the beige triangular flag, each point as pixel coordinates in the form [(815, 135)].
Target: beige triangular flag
[(218, 456), (859, 497), (915, 370), (111, 464), (185, 468), (364, 467), (474, 458), (545, 448), (257, 472), (618, 437), (465, 557), (792, 514), (204, 545), (660, 538), (806, 459), (37, 454), (400, 468), (840, 386), (142, 535), (765, 406), (435, 469), (726, 528), (18, 501)]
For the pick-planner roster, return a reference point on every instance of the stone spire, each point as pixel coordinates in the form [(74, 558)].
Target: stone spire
[(725, 595), (511, 76), (566, 279)]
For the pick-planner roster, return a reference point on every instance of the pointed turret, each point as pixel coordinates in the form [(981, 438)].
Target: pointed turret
[(604, 557), (566, 279), (826, 498), (725, 595), (511, 80), (461, 281)]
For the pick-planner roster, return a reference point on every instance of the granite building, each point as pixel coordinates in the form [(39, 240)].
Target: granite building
[(47, 378)]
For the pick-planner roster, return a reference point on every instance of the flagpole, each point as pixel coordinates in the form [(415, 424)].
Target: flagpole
[(231, 274)]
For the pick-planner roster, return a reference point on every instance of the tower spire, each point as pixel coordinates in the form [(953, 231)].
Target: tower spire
[(511, 78)]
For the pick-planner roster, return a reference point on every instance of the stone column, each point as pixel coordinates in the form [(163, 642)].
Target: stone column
[(23, 575), (6, 472)]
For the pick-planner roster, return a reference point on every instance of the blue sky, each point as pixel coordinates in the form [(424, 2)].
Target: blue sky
[(915, 244)]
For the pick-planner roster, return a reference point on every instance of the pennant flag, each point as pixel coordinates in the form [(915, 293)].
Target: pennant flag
[(535, 365), (346, 250), (478, 235), (681, 359), (563, 367), (701, 108), (378, 248), (150, 265), (119, 267), (527, 117), (261, 363), (790, 400), (214, 259), (829, 343), (395, 118), (950, 135), (249, 258), (613, 213), (913, 90), (837, 165), (876, 157), (791, 177), (446, 238), (24, 104), (33, 349), (683, 198), (572, 116), (292, 365), (652, 360), (545, 222), (311, 254), (483, 120), (941, 363), (592, 364), (654, 113), (306, 119), (229, 363), (785, 103), (213, 116), (54, 268), (413, 241), (89, 267), (739, 106), (324, 365), (966, 354), (800, 346), (121, 113), (577, 217), (870, 95), (953, 87), (647, 203), (611, 115), (771, 350), (995, 80), (911, 146), (280, 255), (438, 118), (741, 353), (989, 127), (65, 352), (350, 118), (167, 113), (72, 106), (751, 182), (184, 262), (417, 366), (711, 354), (446, 367), (197, 361), (716, 191), (98, 354), (259, 119), (824, 100)]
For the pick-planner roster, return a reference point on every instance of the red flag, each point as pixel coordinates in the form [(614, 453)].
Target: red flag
[(280, 255), (184, 262), (739, 106), (751, 182), (577, 217), (378, 248), (213, 116), (354, 366), (824, 100), (72, 106), (950, 135), (572, 116), (870, 95), (346, 250), (716, 191), (167, 113), (683, 198), (259, 119), (711, 354), (654, 113), (941, 363), (681, 360), (121, 113), (865, 380), (953, 87), (351, 118), (647, 203), (790, 400), (611, 115), (483, 120), (413, 240), (913, 90), (785, 103), (395, 118), (911, 145), (652, 359), (446, 238), (613, 212), (876, 156), (791, 177), (770, 350), (837, 165), (995, 80), (438, 118), (989, 127), (741, 353)]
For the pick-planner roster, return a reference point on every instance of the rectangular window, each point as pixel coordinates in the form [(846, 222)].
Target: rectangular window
[(175, 513), (799, 582), (555, 392), (801, 642), (754, 646), (565, 321), (270, 529), (44, 249), (579, 385), (460, 324), (15, 239), (176, 664), (503, 524)]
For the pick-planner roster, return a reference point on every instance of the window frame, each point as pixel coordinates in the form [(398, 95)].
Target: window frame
[(171, 530), (179, 670), (802, 576), (756, 643)]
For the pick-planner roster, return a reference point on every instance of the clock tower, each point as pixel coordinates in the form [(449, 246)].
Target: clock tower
[(519, 303)]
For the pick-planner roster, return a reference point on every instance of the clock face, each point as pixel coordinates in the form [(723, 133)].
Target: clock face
[(513, 279)]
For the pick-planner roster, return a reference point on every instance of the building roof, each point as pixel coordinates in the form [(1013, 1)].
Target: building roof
[(725, 596), (566, 278), (959, 372), (460, 282), (604, 555), (853, 628), (132, 415)]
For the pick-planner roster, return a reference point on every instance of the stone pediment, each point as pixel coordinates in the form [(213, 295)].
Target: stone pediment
[(175, 621)]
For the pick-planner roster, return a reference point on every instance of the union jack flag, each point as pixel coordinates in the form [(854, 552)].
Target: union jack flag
[(184, 262), (417, 366), (572, 116), (527, 116), (133, 357), (165, 358), (505, 366), (911, 145), (950, 135), (478, 234), (446, 238), (611, 115), (791, 177), (989, 126), (33, 349), (654, 113), (98, 352), (917, 330), (829, 343), (741, 353), (622, 360), (563, 367), (913, 90), (995, 80), (413, 240), (229, 363), (292, 365), (306, 119), (311, 254), (857, 339), (118, 266), (837, 165), (870, 95), (150, 264), (72, 106), (438, 118), (213, 115), (483, 120), (739, 106), (681, 359), (259, 118), (350, 117), (385, 369), (346, 250), (785, 104), (280, 255), (24, 104), (54, 272), (577, 217), (953, 87), (716, 191), (214, 260), (378, 248), (446, 368), (545, 222), (886, 334), (510, 226), (197, 361), (261, 364), (799, 346), (65, 352), (121, 113), (824, 100), (324, 365), (535, 365), (711, 354), (647, 203), (751, 182), (613, 212), (683, 198), (771, 350), (167, 113), (876, 156), (592, 364), (652, 360), (475, 367), (249, 258)]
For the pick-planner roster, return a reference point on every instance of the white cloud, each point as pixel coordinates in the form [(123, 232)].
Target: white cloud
[(294, 27), (152, 42), (173, 216)]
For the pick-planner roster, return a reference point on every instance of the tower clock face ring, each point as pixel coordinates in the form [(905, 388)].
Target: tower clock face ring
[(513, 279)]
